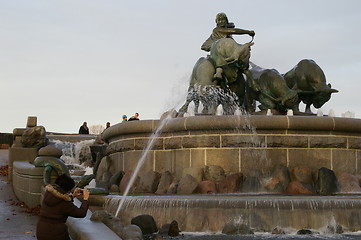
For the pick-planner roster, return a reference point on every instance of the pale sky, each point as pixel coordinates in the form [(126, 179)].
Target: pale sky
[(70, 61)]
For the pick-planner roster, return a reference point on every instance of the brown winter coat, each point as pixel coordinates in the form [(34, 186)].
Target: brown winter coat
[(57, 206)]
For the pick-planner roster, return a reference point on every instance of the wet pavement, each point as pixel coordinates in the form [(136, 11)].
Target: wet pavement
[(16, 221)]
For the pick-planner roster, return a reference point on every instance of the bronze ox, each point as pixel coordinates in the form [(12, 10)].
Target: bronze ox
[(308, 79), (222, 69), (270, 89)]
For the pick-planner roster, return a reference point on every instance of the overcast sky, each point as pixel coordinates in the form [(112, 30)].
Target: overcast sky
[(69, 61)]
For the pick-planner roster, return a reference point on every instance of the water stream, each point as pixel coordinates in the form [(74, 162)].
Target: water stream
[(141, 161)]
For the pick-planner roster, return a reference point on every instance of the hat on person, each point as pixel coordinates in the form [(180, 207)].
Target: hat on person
[(124, 116), (65, 182)]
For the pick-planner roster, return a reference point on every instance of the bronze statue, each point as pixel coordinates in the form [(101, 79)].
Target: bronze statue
[(221, 73), (224, 29), (270, 89), (310, 81), (51, 164), (222, 69)]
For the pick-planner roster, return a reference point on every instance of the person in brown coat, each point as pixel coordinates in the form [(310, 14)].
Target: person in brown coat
[(57, 206)]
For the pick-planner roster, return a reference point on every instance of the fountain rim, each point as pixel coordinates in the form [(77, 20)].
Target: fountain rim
[(230, 122), (240, 201)]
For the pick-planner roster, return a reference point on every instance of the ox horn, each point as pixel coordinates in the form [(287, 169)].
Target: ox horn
[(328, 90), (332, 90)]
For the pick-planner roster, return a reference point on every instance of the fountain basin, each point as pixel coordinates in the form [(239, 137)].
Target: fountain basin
[(210, 213), (238, 143)]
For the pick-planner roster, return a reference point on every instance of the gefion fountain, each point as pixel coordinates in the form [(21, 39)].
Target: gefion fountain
[(289, 168)]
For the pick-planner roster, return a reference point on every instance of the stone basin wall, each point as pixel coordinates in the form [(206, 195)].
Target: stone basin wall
[(27, 180), (210, 213), (238, 143)]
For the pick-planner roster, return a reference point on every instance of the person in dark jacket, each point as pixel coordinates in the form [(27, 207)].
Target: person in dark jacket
[(135, 117), (84, 128), (57, 206)]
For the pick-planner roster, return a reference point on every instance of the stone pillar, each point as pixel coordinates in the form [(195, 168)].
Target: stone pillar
[(32, 122)]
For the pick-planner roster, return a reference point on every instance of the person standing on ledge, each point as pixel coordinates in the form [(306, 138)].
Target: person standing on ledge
[(107, 125), (224, 29), (84, 129), (125, 118), (135, 117), (57, 206)]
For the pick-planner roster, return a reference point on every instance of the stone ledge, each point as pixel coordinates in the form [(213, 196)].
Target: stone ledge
[(85, 229), (27, 182), (73, 138), (217, 124), (26, 168), (18, 131)]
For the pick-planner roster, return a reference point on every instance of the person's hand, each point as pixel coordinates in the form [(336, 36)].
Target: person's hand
[(251, 33), (77, 192), (86, 194)]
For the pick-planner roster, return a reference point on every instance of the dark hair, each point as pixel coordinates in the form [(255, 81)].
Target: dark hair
[(65, 182)]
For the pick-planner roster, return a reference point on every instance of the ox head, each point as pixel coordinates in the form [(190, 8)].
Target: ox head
[(243, 55), (322, 96)]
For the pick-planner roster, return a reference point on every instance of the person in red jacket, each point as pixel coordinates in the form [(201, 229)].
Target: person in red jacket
[(57, 206)]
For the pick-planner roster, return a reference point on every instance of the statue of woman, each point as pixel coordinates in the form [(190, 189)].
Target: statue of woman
[(224, 29)]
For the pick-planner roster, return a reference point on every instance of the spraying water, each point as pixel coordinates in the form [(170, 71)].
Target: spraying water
[(206, 99), (219, 111), (75, 153), (141, 161), (191, 109)]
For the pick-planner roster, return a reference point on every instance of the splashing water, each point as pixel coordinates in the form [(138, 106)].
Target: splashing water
[(200, 108), (191, 109), (207, 98), (141, 161), (319, 113), (238, 112), (348, 114), (261, 213), (75, 153), (219, 111)]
